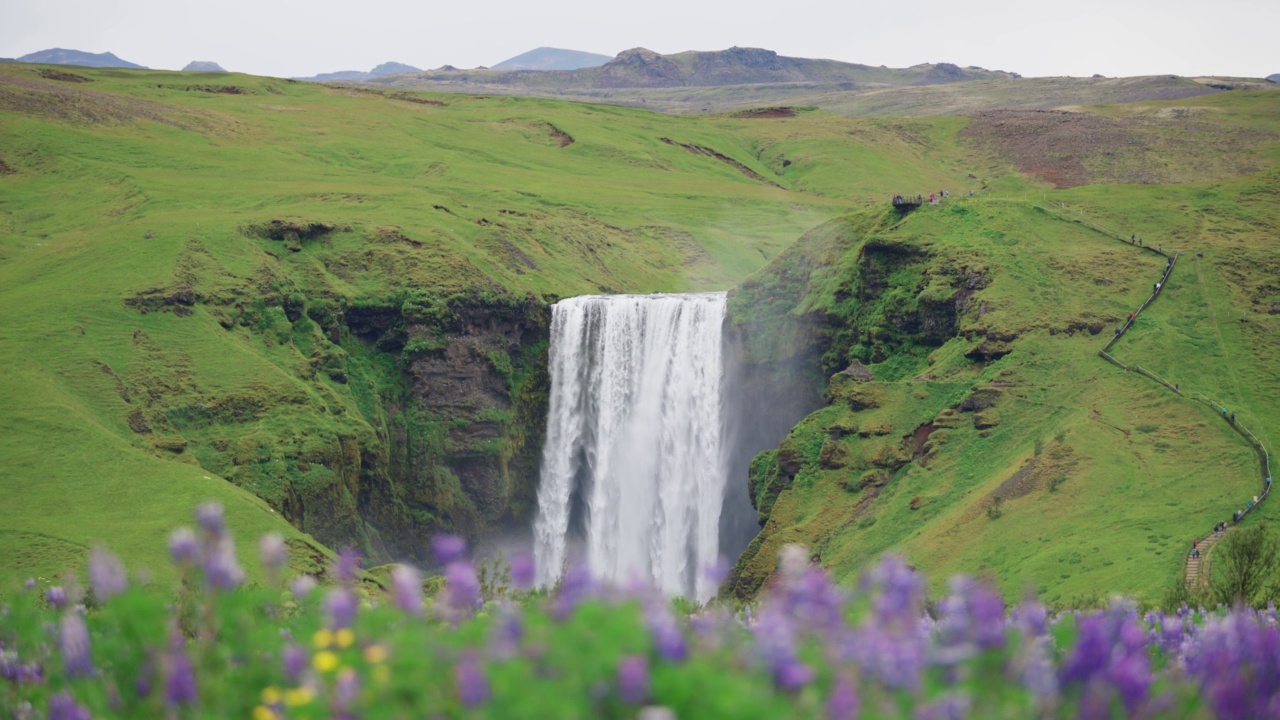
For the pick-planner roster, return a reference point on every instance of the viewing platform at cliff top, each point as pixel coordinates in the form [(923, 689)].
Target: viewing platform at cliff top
[(908, 201)]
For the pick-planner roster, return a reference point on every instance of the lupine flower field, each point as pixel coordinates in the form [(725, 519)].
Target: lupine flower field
[(491, 647)]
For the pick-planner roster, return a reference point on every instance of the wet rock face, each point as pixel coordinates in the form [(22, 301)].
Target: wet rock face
[(470, 382), (457, 407)]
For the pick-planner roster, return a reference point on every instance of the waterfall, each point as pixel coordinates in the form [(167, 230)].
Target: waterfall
[(633, 464)]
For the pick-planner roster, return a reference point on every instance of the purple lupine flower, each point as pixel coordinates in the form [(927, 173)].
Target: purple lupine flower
[(1092, 651), (273, 551), (575, 586), (347, 567), (900, 595), (462, 589), (1037, 672), (406, 589), (180, 681), (775, 641), (523, 571), (142, 683), (341, 605), (717, 572), (668, 638), (73, 641), (842, 704), (1131, 675), (469, 677), (892, 643), (183, 547), (1032, 618), (56, 596), (1236, 659), (209, 518), (221, 568), (62, 706), (302, 586), (809, 596), (970, 619), (448, 548), (294, 660), (507, 633), (106, 574), (346, 690), (29, 585), (1110, 657), (633, 679), (1171, 634)]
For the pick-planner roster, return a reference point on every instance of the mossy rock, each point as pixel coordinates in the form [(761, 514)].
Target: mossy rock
[(852, 392), (874, 478), (172, 444), (834, 454)]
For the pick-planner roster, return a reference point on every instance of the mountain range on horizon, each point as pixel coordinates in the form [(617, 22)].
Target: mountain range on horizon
[(64, 56), (634, 68)]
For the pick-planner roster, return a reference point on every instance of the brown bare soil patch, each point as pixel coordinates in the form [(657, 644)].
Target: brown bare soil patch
[(5, 169), (410, 97), (766, 113), (62, 76), (708, 152), (561, 137), (1069, 149)]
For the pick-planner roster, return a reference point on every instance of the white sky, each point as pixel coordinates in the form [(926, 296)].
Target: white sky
[(297, 38)]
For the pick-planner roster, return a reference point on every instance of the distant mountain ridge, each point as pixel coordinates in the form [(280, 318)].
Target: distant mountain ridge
[(644, 68), (386, 68), (63, 56), (549, 58), (1274, 78)]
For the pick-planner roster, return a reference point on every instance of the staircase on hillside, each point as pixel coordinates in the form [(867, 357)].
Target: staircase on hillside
[(1196, 579)]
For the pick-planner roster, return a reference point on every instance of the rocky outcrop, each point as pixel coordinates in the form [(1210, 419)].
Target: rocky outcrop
[(640, 67)]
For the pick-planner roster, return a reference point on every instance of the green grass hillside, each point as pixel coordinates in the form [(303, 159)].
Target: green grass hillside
[(977, 430), (196, 272), (326, 308)]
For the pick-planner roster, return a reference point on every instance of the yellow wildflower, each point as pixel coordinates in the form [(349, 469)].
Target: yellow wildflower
[(270, 695), (325, 661), (375, 654), (322, 639), (344, 637), (263, 712), (299, 696), (382, 674)]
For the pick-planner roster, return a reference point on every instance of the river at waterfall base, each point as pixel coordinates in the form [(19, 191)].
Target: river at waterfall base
[(634, 467)]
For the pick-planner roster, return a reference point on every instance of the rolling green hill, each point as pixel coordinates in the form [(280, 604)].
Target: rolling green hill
[(970, 423), (334, 299), (326, 307)]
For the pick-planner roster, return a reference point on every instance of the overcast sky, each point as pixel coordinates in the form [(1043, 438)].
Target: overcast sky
[(274, 37)]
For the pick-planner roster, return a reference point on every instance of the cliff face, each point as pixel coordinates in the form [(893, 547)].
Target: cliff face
[(809, 325), (460, 427), (390, 420)]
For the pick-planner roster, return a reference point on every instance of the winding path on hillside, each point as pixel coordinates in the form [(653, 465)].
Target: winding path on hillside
[(1197, 569)]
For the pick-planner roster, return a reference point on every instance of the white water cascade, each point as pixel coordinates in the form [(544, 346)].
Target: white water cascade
[(634, 440)]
